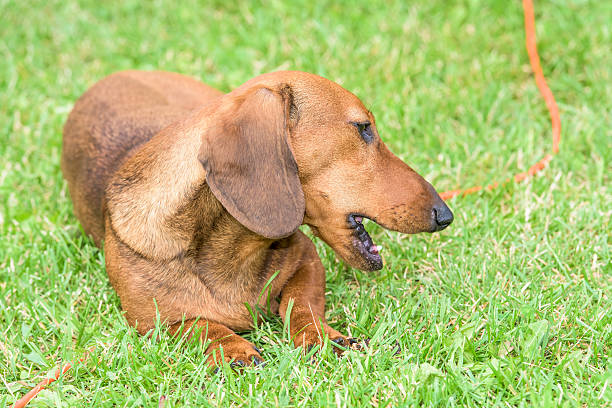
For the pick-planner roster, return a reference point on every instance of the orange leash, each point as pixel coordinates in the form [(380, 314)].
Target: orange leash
[(23, 401), (534, 58)]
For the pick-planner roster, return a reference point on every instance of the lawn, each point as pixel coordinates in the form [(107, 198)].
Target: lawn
[(510, 306)]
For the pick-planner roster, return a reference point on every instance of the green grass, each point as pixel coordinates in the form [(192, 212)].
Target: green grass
[(508, 307)]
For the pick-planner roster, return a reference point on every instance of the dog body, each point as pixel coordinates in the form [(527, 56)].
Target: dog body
[(198, 197)]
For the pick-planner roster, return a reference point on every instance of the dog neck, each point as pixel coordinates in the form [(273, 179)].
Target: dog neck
[(222, 252)]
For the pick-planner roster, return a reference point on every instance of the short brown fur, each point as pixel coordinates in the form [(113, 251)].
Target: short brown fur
[(198, 196)]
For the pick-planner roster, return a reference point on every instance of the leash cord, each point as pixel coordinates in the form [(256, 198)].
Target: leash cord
[(534, 59), (551, 104)]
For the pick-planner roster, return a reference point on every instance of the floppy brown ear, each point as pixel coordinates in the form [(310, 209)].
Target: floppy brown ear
[(249, 166)]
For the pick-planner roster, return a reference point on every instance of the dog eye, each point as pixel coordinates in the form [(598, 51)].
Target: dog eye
[(365, 131)]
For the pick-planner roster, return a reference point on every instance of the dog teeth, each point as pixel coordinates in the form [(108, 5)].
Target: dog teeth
[(375, 249)]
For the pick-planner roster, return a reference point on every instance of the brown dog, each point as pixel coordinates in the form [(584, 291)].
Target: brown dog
[(198, 196)]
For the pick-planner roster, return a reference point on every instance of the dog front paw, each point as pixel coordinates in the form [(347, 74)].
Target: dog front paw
[(234, 350), (312, 335)]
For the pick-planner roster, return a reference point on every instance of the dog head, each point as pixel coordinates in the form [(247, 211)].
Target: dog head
[(297, 148)]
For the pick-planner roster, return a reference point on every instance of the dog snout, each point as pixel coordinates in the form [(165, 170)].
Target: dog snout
[(442, 215)]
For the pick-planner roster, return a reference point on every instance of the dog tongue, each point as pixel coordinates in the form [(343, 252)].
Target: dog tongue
[(358, 219), (374, 249)]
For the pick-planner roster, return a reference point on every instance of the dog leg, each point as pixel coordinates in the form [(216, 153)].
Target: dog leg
[(306, 289), (225, 344)]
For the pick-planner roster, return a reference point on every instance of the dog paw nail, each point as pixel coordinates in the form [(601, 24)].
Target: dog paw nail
[(398, 348), (359, 344), (340, 341), (258, 361), (309, 349), (238, 363), (257, 350)]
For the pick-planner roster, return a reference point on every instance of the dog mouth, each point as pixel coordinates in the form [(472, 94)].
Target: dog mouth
[(362, 242)]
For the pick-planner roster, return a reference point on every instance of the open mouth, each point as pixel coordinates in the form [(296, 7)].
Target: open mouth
[(363, 242)]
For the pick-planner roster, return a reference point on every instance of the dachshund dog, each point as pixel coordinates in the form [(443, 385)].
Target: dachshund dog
[(198, 196)]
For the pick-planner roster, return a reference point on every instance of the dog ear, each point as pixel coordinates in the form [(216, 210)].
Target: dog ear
[(249, 166)]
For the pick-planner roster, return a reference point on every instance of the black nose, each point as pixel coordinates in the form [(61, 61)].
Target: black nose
[(443, 216)]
